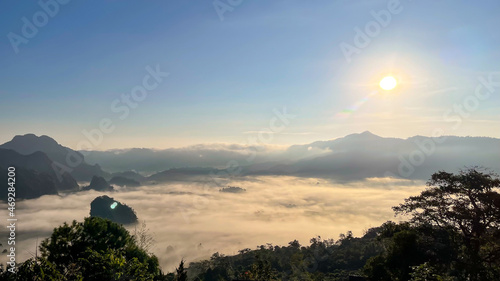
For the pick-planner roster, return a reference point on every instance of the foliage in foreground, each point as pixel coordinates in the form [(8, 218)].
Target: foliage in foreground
[(95, 249), (453, 235)]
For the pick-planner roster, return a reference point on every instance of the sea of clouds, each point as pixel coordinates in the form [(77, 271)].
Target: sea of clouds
[(193, 220)]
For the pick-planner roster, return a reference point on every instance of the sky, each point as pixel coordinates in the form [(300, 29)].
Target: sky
[(233, 71)]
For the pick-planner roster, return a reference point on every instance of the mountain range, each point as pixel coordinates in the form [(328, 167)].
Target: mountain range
[(30, 143), (351, 158)]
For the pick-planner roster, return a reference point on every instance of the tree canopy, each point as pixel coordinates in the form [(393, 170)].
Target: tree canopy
[(468, 203), (95, 249)]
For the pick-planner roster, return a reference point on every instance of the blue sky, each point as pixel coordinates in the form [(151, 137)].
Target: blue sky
[(226, 77)]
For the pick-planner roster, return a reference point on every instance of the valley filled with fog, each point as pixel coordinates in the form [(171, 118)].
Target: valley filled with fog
[(194, 219)]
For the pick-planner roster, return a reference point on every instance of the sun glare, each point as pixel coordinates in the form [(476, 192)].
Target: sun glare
[(388, 83)]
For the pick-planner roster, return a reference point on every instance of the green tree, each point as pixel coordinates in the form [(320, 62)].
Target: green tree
[(425, 272), (262, 270), (36, 269), (404, 249), (98, 249), (469, 203)]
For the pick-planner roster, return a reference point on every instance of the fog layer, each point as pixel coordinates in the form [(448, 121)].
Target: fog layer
[(193, 220)]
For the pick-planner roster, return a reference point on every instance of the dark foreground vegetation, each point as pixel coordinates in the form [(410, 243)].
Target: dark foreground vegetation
[(453, 233)]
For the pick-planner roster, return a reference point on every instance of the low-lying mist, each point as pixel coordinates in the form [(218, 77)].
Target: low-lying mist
[(192, 220)]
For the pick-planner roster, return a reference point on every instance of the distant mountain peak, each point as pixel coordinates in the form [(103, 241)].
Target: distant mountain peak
[(29, 135), (363, 135), (30, 139), (367, 133), (33, 136), (30, 143)]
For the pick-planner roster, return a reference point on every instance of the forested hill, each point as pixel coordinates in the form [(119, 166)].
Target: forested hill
[(389, 252), (321, 259)]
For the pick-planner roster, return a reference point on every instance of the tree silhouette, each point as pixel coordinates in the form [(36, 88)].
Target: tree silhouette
[(181, 274), (143, 238), (469, 203)]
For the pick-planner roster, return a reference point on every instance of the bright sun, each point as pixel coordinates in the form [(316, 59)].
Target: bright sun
[(388, 83)]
